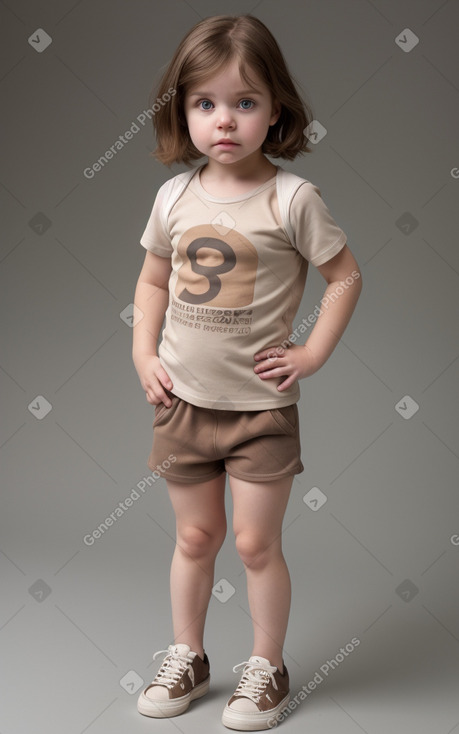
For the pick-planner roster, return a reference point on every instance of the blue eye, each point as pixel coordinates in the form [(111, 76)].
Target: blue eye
[(246, 104), (205, 104)]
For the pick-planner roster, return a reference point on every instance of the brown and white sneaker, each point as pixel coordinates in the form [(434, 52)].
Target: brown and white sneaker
[(262, 693), (182, 677)]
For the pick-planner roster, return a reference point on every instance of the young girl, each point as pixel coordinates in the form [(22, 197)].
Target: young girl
[(223, 268)]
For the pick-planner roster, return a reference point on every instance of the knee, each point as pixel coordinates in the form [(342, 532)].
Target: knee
[(198, 543), (254, 551)]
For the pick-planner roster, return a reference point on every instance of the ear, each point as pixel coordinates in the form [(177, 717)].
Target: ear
[(276, 110)]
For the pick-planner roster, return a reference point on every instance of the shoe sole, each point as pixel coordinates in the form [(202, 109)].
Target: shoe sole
[(174, 707), (253, 722)]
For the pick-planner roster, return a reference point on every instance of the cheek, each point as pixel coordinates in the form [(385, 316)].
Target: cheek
[(195, 130), (257, 128)]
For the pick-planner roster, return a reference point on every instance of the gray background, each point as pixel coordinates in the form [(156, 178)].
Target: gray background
[(379, 559)]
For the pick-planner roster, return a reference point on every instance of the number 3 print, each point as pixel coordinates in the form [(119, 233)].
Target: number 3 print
[(210, 272), (217, 271)]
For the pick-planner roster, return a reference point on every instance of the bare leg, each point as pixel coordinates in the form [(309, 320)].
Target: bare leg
[(259, 509), (201, 529)]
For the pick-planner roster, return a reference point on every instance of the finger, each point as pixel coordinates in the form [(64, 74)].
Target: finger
[(285, 384), (275, 372), (157, 399), (164, 378), (163, 397), (163, 383), (156, 394), (270, 353), (268, 364), (260, 355)]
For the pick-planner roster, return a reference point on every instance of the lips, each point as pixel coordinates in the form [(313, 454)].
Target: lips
[(225, 142)]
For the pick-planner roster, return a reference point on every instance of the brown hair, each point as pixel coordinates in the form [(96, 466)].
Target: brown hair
[(206, 49)]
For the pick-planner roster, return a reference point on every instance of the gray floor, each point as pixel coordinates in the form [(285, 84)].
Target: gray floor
[(378, 561)]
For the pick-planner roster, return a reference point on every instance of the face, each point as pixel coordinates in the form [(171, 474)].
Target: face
[(225, 108)]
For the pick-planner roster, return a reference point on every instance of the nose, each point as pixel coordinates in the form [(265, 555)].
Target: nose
[(225, 119)]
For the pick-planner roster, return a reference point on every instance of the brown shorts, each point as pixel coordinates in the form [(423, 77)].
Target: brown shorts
[(255, 445)]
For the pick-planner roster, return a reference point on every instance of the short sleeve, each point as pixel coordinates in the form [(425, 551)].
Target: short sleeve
[(317, 236), (155, 238)]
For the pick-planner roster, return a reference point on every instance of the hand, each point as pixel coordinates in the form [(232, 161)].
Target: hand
[(154, 379), (292, 363)]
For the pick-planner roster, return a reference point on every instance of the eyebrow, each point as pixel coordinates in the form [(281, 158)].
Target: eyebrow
[(239, 93)]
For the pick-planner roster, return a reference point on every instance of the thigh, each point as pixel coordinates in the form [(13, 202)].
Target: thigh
[(199, 505), (262, 445), (259, 507), (183, 441)]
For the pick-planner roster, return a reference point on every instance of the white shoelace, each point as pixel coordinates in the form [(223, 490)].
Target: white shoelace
[(172, 668), (254, 680)]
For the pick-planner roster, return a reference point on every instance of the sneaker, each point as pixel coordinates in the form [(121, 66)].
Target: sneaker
[(261, 695), (182, 677)]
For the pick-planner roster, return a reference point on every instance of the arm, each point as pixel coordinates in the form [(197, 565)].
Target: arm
[(302, 361), (151, 297)]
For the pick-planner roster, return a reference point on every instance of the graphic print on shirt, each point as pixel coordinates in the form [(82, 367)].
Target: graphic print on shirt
[(216, 280)]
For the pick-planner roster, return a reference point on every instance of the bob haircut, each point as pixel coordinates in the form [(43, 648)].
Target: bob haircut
[(206, 50)]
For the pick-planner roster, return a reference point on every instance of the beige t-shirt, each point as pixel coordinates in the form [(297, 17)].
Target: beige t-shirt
[(235, 287)]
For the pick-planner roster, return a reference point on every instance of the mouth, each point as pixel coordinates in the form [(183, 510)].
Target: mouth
[(226, 143)]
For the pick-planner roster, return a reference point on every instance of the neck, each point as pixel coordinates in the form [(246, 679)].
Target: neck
[(253, 168)]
